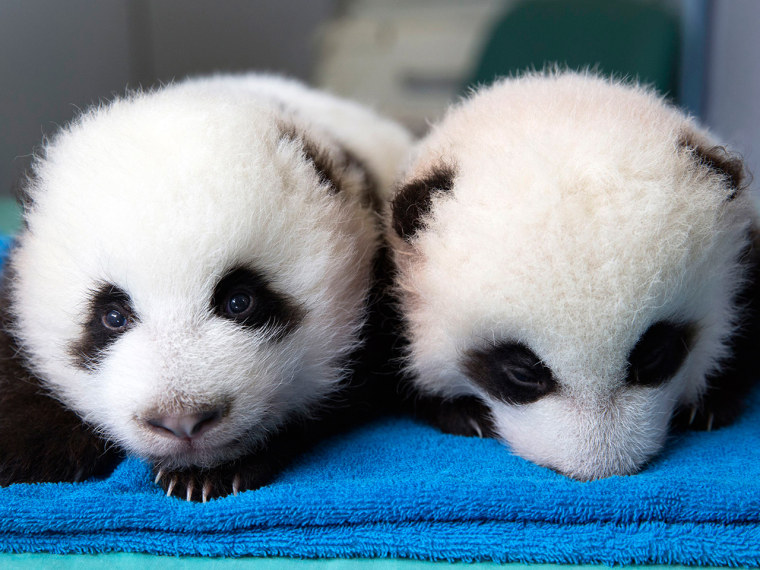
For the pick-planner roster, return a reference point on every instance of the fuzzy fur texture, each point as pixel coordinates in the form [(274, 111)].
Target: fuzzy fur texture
[(161, 195), (581, 212)]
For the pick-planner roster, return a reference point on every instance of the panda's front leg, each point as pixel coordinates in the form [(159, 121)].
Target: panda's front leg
[(43, 441)]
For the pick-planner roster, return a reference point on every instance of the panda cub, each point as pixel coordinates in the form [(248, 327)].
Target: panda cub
[(576, 264), (191, 283)]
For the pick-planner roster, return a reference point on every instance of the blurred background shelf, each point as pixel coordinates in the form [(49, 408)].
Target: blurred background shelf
[(408, 58)]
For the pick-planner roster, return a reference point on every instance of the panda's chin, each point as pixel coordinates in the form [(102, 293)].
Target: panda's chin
[(587, 442)]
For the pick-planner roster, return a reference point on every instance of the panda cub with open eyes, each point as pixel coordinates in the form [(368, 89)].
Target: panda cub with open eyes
[(576, 266), (192, 282)]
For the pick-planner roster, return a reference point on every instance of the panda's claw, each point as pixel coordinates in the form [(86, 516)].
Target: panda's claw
[(206, 491), (692, 415), (465, 415), (202, 484), (476, 427), (710, 420), (170, 486)]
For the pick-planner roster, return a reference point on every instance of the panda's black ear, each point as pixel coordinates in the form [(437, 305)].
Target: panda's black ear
[(720, 161), (414, 199), (324, 164), (338, 168)]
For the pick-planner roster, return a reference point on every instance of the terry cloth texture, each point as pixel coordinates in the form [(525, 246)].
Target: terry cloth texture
[(399, 488)]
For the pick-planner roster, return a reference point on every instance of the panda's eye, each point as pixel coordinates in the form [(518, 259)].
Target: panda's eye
[(511, 372), (518, 376), (238, 304), (246, 297), (110, 313), (115, 320), (659, 353)]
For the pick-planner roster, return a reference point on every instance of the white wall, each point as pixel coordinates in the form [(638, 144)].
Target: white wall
[(732, 97)]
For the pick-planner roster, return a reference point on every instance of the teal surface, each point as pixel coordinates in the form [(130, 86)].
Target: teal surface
[(10, 216)]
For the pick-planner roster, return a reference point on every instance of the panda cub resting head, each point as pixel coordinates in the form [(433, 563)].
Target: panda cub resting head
[(576, 267), (191, 281)]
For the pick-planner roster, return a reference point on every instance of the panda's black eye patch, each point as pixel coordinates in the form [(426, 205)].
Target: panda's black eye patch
[(109, 314), (659, 353), (510, 372), (243, 295)]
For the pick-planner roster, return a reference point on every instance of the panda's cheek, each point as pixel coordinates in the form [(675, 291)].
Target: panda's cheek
[(127, 377), (123, 388)]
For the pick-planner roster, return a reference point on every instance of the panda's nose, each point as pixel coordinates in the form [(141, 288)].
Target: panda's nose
[(185, 426)]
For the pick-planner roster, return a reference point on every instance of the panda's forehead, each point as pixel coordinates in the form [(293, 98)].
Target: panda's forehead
[(151, 169), (162, 205), (577, 262), (569, 238)]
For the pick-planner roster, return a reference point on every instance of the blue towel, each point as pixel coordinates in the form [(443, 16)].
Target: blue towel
[(400, 488)]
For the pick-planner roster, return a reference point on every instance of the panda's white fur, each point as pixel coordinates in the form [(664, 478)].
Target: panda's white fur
[(161, 193), (579, 214)]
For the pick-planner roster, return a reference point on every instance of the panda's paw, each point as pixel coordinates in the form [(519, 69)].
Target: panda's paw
[(195, 484), (465, 416), (702, 418), (192, 484), (715, 410)]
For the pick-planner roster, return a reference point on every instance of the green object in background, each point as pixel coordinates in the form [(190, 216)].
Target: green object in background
[(637, 39), (10, 216)]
